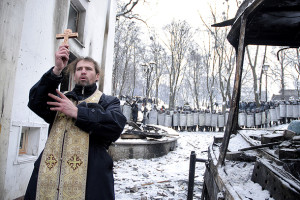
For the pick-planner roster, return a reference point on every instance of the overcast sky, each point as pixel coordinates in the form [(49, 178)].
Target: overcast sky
[(159, 13)]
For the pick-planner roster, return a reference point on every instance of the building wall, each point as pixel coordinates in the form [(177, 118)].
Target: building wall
[(11, 23), (35, 55), (111, 19)]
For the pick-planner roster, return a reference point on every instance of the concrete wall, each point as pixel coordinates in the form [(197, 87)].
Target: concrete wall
[(141, 149), (28, 52), (11, 23)]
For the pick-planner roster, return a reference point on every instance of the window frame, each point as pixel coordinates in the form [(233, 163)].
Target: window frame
[(23, 140), (80, 7), (36, 137), (77, 17)]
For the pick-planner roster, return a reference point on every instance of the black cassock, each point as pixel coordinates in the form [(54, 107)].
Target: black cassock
[(103, 121)]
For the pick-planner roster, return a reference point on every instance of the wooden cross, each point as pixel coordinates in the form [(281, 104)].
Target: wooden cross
[(66, 35)]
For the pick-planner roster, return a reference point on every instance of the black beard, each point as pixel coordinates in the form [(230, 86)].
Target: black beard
[(84, 83)]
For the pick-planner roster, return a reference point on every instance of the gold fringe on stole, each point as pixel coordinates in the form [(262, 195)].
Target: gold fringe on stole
[(63, 168)]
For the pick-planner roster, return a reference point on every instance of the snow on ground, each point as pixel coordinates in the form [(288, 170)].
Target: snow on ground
[(165, 177)]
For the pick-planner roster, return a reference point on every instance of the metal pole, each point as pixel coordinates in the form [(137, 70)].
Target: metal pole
[(298, 74), (266, 99), (147, 93), (193, 161), (191, 176), (266, 87), (147, 86)]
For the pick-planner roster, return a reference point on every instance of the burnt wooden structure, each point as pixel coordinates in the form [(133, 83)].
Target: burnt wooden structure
[(280, 176), (257, 22)]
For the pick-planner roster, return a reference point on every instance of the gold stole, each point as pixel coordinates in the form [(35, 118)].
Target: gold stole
[(63, 168)]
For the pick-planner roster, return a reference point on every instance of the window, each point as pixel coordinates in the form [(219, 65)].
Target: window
[(29, 142), (76, 20), (73, 18), (23, 141)]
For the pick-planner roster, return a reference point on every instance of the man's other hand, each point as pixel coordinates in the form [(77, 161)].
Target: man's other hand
[(63, 104)]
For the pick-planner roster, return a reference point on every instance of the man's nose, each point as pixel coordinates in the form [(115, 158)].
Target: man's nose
[(83, 71)]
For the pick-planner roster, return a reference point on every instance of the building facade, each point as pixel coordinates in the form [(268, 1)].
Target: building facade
[(27, 48), (287, 95)]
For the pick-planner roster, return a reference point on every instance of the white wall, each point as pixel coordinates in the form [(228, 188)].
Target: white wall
[(11, 23), (35, 57), (110, 49), (43, 19)]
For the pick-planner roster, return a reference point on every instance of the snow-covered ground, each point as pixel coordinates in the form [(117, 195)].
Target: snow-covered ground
[(165, 177)]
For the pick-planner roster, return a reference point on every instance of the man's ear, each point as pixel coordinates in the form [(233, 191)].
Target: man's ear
[(97, 77)]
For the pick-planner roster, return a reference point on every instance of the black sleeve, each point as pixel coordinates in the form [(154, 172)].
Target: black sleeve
[(104, 120), (38, 96)]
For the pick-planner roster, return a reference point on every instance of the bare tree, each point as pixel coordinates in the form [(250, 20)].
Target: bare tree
[(297, 62), (288, 69), (297, 67), (254, 68), (194, 76), (158, 54), (125, 9), (117, 55), (282, 73), (219, 58), (179, 37), (128, 48)]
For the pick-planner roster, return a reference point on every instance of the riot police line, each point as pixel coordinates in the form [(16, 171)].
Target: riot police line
[(187, 119)]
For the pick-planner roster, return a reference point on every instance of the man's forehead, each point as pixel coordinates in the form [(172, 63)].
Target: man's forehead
[(85, 63)]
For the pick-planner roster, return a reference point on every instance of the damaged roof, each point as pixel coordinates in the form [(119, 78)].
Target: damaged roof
[(269, 22)]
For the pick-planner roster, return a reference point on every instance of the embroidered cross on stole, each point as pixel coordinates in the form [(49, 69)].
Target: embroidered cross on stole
[(63, 168)]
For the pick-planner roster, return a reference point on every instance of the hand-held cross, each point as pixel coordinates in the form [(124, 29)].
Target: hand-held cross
[(66, 35)]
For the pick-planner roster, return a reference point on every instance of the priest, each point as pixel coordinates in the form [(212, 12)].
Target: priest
[(82, 124)]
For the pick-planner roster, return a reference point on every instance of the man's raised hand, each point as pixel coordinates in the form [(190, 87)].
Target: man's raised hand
[(61, 59)]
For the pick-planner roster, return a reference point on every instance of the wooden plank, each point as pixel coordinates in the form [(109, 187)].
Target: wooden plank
[(214, 183), (232, 123), (260, 146), (240, 156), (286, 153), (234, 106), (266, 139)]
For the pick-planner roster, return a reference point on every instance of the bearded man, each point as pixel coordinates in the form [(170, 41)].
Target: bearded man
[(82, 124)]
